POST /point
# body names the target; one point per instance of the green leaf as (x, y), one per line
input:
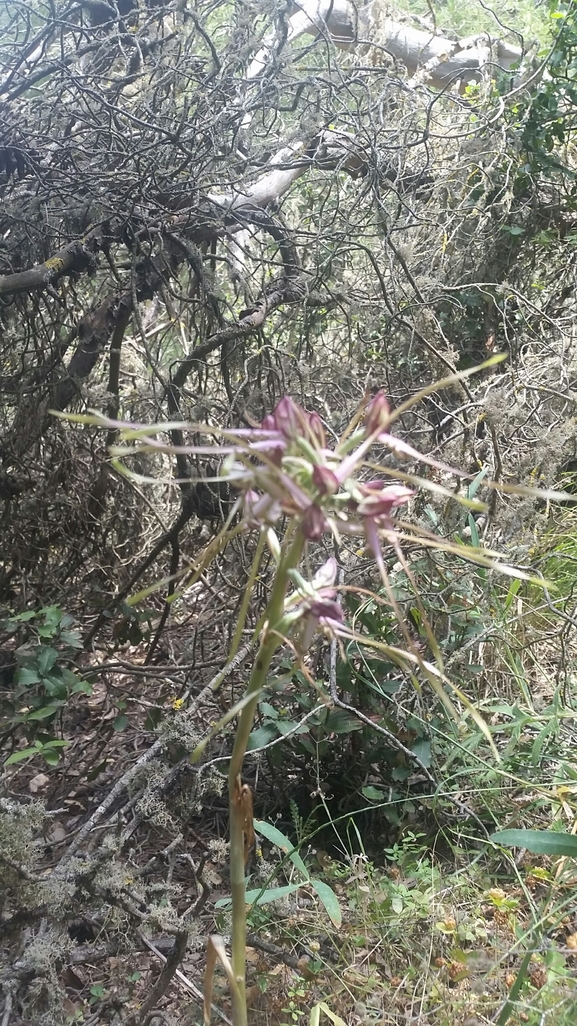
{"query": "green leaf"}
(52, 617)
(68, 676)
(422, 749)
(262, 736)
(26, 677)
(328, 898)
(340, 721)
(83, 686)
(47, 657)
(291, 727)
(475, 540)
(323, 1007)
(476, 483)
(268, 710)
(540, 842)
(45, 712)
(55, 686)
(374, 794)
(277, 838)
(51, 757)
(24, 753)
(120, 723)
(260, 897)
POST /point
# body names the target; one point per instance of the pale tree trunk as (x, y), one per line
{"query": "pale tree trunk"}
(432, 58)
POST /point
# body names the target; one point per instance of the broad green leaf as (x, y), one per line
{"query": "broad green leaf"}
(268, 710)
(45, 712)
(262, 736)
(55, 686)
(292, 727)
(71, 638)
(47, 657)
(374, 794)
(26, 677)
(120, 722)
(68, 676)
(541, 842)
(422, 749)
(341, 721)
(50, 756)
(278, 838)
(328, 898)
(259, 897)
(83, 686)
(24, 753)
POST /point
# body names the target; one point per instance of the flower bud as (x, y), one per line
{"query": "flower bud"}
(289, 418)
(324, 479)
(377, 414)
(314, 522)
(316, 430)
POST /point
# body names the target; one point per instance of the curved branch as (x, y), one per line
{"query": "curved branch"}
(76, 257)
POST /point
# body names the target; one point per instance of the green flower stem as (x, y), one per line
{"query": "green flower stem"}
(271, 640)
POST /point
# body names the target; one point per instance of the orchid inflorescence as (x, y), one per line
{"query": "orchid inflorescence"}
(285, 467)
(296, 474)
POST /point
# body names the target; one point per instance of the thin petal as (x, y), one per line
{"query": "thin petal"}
(316, 430)
(326, 574)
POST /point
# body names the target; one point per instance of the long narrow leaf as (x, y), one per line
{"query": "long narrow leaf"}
(336, 1019)
(277, 838)
(541, 842)
(328, 898)
(259, 897)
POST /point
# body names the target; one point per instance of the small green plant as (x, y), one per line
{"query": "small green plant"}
(97, 993)
(48, 750)
(293, 1011)
(47, 643)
